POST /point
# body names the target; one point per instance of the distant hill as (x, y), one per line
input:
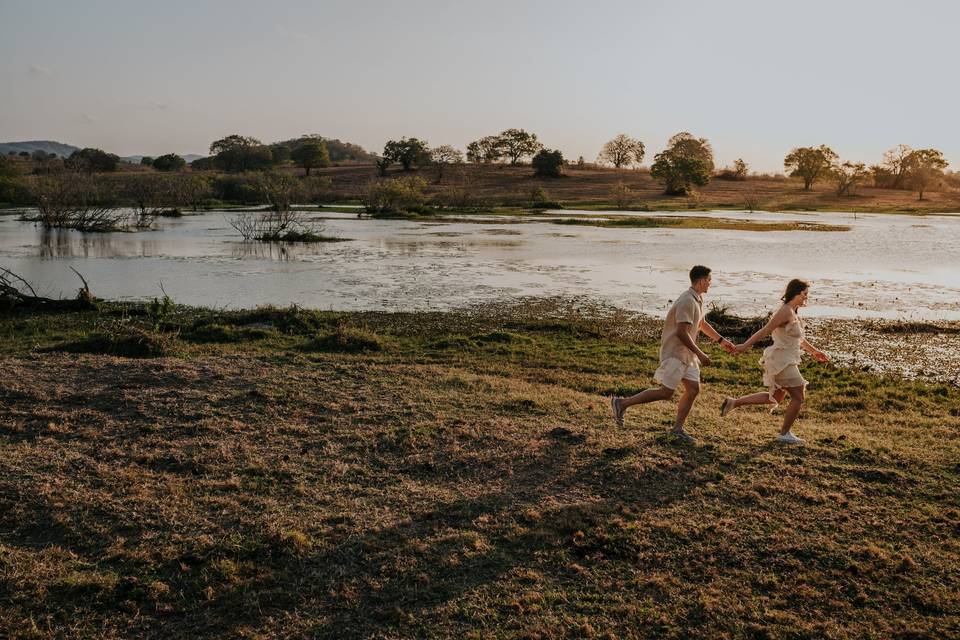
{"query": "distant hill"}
(340, 152)
(30, 146)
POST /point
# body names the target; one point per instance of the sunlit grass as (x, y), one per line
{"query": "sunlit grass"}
(291, 473)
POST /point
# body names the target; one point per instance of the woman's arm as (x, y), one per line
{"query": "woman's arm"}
(813, 351)
(779, 319)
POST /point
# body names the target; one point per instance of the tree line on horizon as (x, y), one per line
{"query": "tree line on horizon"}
(686, 163)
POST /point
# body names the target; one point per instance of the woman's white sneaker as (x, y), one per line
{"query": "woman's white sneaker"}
(789, 438)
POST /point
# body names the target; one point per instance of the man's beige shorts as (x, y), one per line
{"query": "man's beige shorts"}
(671, 371)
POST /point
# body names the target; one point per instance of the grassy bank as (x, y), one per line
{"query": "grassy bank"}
(696, 222)
(181, 473)
(592, 188)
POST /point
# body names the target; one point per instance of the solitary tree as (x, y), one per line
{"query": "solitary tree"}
(486, 149)
(685, 163)
(810, 163)
(924, 168)
(311, 154)
(740, 169)
(847, 175)
(407, 152)
(169, 162)
(147, 161)
(517, 144)
(444, 155)
(547, 163)
(622, 151)
(895, 161)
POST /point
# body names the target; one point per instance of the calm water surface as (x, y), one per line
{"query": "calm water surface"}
(885, 266)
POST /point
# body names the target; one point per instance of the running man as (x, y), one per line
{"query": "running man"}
(680, 357)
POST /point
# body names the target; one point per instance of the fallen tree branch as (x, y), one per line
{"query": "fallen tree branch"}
(5, 278)
(16, 292)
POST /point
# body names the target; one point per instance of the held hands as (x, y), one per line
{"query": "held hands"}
(727, 346)
(741, 348)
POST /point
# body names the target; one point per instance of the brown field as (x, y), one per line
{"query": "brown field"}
(508, 185)
(285, 473)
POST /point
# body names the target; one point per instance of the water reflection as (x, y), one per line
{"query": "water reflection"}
(267, 250)
(66, 243)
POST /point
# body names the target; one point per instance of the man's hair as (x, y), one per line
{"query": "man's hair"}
(698, 272)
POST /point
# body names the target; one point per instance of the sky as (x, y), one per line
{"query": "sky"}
(756, 78)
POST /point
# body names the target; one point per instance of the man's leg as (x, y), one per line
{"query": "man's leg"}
(649, 395)
(691, 389)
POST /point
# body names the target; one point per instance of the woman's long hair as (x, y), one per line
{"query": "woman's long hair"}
(794, 288)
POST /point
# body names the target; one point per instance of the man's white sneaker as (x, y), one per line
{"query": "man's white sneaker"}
(789, 438)
(726, 407)
(617, 411)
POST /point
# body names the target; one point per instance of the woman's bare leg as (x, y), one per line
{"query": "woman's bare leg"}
(761, 397)
(793, 409)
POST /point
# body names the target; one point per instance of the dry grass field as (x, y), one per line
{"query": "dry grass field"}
(281, 473)
(506, 185)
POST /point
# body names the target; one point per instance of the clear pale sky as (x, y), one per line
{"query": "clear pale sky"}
(754, 77)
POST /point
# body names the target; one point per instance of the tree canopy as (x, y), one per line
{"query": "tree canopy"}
(810, 163)
(847, 175)
(443, 155)
(924, 168)
(407, 152)
(311, 154)
(236, 153)
(486, 149)
(517, 144)
(686, 162)
(169, 162)
(92, 160)
(622, 151)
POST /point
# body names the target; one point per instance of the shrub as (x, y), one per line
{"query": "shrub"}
(236, 188)
(226, 333)
(736, 328)
(345, 339)
(393, 196)
(548, 164)
(169, 162)
(123, 341)
(77, 201)
(622, 195)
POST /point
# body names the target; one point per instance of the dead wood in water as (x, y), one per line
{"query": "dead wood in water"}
(17, 293)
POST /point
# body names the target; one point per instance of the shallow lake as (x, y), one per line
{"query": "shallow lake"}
(887, 266)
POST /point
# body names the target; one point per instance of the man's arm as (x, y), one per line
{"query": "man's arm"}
(715, 336)
(683, 335)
